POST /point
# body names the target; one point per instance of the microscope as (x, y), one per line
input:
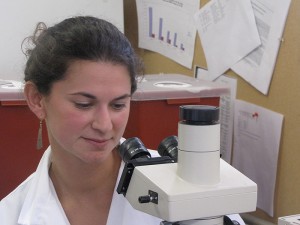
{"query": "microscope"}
(189, 184)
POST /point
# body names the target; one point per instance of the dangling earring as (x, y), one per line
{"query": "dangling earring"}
(39, 143)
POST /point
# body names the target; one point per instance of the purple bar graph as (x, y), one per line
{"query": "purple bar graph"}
(168, 37)
(160, 28)
(151, 34)
(175, 40)
(181, 47)
(162, 31)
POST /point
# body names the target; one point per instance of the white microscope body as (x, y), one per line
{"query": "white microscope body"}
(200, 188)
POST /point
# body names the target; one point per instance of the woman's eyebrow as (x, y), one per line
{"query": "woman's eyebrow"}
(87, 95)
(123, 97)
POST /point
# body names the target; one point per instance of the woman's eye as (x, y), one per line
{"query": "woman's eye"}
(83, 105)
(118, 106)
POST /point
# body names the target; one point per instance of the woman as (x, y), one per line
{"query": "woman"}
(79, 78)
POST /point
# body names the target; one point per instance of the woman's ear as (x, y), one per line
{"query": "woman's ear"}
(34, 99)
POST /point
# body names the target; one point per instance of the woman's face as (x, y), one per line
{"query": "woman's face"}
(87, 112)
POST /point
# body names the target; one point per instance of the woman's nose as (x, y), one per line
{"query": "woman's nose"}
(102, 120)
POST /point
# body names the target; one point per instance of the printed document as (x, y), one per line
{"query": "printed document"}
(257, 68)
(257, 133)
(228, 33)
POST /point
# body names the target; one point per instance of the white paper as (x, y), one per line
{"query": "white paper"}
(226, 111)
(257, 68)
(227, 116)
(167, 27)
(257, 133)
(228, 33)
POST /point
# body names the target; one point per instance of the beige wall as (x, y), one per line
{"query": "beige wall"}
(283, 97)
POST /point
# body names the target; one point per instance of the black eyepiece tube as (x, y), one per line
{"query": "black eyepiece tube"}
(133, 148)
(169, 147)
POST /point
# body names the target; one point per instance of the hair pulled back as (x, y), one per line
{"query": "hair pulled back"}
(77, 38)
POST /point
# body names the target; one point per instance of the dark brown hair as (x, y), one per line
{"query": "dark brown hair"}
(77, 38)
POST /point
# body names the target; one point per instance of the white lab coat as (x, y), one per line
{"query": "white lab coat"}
(34, 202)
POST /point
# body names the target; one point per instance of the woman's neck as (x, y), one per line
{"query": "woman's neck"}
(85, 191)
(73, 175)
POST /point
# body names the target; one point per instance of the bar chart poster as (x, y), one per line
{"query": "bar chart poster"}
(168, 27)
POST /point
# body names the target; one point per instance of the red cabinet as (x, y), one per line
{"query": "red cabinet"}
(18, 135)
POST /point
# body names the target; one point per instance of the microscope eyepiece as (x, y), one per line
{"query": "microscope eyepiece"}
(169, 147)
(133, 148)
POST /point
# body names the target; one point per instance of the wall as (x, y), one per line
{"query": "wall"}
(283, 97)
(18, 19)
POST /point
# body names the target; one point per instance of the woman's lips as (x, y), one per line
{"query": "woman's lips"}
(97, 142)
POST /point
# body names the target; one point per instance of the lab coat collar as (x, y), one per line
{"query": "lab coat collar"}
(39, 203)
